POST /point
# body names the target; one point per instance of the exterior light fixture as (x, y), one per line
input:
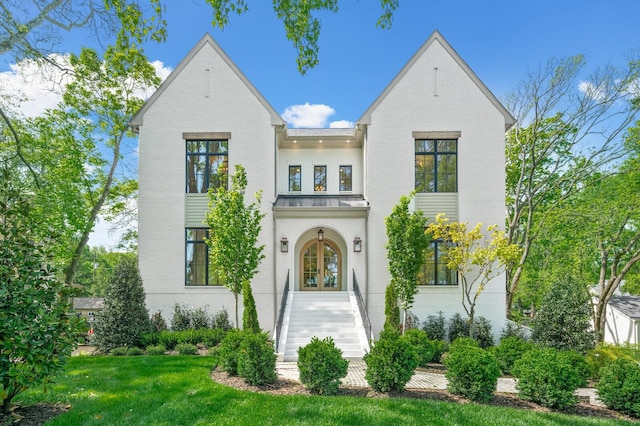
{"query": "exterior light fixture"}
(284, 245)
(357, 244)
(320, 234)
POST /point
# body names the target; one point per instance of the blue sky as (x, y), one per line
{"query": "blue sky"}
(499, 40)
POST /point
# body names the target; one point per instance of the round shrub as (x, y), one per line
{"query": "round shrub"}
(509, 351)
(550, 377)
(321, 366)
(604, 354)
(257, 359)
(391, 363)
(135, 351)
(186, 349)
(463, 341)
(619, 386)
(229, 349)
(472, 372)
(156, 350)
(439, 348)
(119, 351)
(168, 339)
(425, 348)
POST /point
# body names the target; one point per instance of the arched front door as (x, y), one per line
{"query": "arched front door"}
(320, 266)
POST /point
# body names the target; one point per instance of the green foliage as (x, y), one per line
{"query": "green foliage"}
(156, 350)
(458, 327)
(391, 362)
(563, 321)
(482, 332)
(406, 246)
(321, 366)
(604, 354)
(439, 347)
(435, 327)
(257, 359)
(391, 309)
(549, 377)
(425, 348)
(472, 372)
(508, 351)
(169, 339)
(125, 318)
(250, 314)
(221, 320)
(134, 351)
(463, 341)
(230, 350)
(512, 329)
(233, 238)
(619, 386)
(158, 323)
(181, 319)
(119, 351)
(38, 331)
(206, 337)
(186, 349)
(200, 318)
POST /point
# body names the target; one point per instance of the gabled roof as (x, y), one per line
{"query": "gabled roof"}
(628, 305)
(136, 121)
(436, 36)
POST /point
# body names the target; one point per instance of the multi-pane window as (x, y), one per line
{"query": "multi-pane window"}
(295, 178)
(198, 268)
(207, 165)
(345, 178)
(436, 165)
(434, 270)
(319, 178)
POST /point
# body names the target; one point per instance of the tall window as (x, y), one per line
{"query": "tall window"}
(436, 165)
(207, 165)
(345, 178)
(319, 178)
(434, 270)
(198, 268)
(295, 178)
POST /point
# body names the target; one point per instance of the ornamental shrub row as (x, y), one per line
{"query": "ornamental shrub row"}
(209, 337)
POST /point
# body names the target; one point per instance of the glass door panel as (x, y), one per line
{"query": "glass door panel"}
(330, 268)
(320, 266)
(310, 270)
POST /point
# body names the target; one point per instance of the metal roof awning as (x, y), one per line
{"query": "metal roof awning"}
(321, 206)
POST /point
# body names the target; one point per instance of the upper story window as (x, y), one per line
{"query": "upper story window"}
(198, 268)
(207, 165)
(320, 178)
(434, 270)
(346, 178)
(436, 165)
(295, 178)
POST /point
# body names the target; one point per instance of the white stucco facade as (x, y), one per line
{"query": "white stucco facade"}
(435, 96)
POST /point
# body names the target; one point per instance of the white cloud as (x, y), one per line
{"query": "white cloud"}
(341, 124)
(592, 91)
(308, 115)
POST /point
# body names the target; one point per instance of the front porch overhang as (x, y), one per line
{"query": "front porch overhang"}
(323, 206)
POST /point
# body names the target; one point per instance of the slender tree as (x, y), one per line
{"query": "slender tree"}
(233, 237)
(406, 246)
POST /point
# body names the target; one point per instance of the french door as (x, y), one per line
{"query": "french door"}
(320, 266)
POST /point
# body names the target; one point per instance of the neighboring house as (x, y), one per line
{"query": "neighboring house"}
(88, 307)
(436, 128)
(623, 320)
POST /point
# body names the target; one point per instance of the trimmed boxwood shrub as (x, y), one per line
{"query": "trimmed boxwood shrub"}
(321, 366)
(391, 362)
(509, 351)
(229, 350)
(186, 349)
(472, 372)
(619, 386)
(120, 351)
(425, 348)
(549, 377)
(256, 359)
(156, 350)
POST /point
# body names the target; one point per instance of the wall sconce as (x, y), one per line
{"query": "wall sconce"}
(284, 245)
(357, 244)
(320, 234)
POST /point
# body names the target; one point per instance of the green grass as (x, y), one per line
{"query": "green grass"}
(177, 390)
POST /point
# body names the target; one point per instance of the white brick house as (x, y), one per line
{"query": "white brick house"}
(435, 128)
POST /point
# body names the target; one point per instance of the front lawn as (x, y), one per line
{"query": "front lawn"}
(178, 390)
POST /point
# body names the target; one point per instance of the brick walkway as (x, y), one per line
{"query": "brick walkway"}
(420, 380)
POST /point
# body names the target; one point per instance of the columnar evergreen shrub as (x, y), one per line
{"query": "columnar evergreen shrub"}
(512, 329)
(200, 318)
(186, 349)
(391, 362)
(508, 351)
(125, 318)
(619, 386)
(221, 320)
(158, 323)
(482, 332)
(181, 319)
(435, 327)
(391, 308)
(472, 372)
(458, 327)
(229, 351)
(321, 366)
(549, 377)
(425, 348)
(257, 359)
(250, 314)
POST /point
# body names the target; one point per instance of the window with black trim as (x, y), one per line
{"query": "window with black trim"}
(207, 165)
(346, 178)
(199, 271)
(436, 165)
(434, 270)
(320, 178)
(295, 178)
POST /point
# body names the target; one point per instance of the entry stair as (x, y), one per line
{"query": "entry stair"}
(322, 314)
